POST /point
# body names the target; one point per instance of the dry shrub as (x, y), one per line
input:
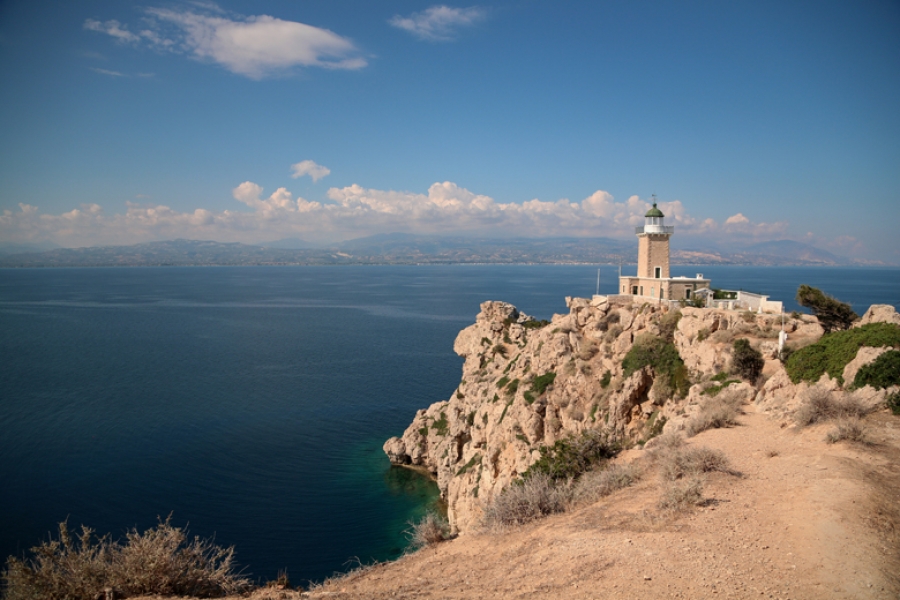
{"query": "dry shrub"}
(525, 501)
(587, 350)
(160, 560)
(594, 485)
(681, 494)
(723, 336)
(847, 428)
(824, 405)
(688, 462)
(431, 529)
(612, 334)
(719, 411)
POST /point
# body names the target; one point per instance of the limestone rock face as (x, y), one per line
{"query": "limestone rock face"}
(864, 356)
(879, 313)
(525, 385)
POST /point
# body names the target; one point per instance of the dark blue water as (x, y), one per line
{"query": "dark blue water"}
(252, 402)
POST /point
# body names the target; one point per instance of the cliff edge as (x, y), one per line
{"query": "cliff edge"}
(526, 384)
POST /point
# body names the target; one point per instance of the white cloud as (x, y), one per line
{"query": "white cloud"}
(107, 72)
(354, 211)
(256, 46)
(736, 219)
(113, 28)
(309, 167)
(438, 23)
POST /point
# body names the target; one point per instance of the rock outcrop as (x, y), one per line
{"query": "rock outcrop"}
(527, 384)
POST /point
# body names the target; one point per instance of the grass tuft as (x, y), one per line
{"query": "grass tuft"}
(850, 429)
(161, 560)
(523, 502)
(431, 529)
(594, 485)
(716, 412)
(681, 494)
(824, 405)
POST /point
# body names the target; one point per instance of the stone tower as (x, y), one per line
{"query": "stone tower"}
(653, 246)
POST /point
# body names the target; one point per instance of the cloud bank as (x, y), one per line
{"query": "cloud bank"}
(255, 46)
(439, 23)
(355, 211)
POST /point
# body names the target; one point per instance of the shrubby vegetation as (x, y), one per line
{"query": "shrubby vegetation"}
(569, 457)
(662, 356)
(714, 413)
(881, 373)
(431, 529)
(832, 353)
(746, 361)
(823, 405)
(832, 314)
(161, 560)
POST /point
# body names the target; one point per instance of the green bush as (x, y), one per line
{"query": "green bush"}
(441, 426)
(161, 560)
(501, 383)
(572, 456)
(662, 356)
(832, 353)
(668, 323)
(535, 324)
(881, 373)
(604, 381)
(893, 402)
(540, 383)
(746, 361)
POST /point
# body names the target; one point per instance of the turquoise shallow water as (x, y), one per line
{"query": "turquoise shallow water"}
(252, 403)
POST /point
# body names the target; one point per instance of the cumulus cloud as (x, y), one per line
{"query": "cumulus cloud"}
(354, 211)
(438, 23)
(255, 46)
(309, 167)
(736, 219)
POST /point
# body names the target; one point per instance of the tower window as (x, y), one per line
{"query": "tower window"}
(658, 272)
(634, 290)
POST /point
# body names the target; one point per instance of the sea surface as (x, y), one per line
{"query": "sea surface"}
(251, 403)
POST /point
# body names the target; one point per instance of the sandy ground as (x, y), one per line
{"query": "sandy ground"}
(804, 519)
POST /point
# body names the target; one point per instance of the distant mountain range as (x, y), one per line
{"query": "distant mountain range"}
(402, 248)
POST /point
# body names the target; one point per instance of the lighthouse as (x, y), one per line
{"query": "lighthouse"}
(653, 280)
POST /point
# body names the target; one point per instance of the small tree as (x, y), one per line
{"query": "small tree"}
(832, 313)
(746, 361)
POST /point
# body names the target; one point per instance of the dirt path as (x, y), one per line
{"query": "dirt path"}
(805, 520)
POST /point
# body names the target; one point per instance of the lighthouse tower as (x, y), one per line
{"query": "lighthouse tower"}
(653, 245)
(653, 280)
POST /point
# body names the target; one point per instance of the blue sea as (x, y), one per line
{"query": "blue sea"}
(251, 403)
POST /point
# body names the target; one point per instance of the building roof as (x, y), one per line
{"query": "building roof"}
(654, 212)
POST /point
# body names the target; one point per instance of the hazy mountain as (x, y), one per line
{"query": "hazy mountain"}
(796, 251)
(404, 248)
(21, 248)
(289, 244)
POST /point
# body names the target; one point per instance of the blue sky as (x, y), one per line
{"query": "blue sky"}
(126, 122)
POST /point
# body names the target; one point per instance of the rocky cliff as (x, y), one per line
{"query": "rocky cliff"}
(526, 384)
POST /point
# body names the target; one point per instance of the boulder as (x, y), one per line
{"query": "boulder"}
(879, 313)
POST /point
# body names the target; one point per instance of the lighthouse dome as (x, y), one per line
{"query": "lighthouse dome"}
(654, 212)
